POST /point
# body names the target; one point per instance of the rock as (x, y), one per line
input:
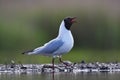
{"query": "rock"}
(71, 67)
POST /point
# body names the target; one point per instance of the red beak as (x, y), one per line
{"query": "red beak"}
(73, 20)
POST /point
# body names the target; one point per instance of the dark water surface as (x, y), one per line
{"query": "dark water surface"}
(61, 76)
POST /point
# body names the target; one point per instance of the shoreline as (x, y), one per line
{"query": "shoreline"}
(72, 67)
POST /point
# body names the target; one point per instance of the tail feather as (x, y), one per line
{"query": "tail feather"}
(27, 52)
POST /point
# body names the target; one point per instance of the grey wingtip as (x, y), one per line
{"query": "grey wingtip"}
(23, 53)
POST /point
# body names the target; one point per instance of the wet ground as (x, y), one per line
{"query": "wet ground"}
(70, 67)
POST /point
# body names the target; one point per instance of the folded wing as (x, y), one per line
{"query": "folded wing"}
(48, 48)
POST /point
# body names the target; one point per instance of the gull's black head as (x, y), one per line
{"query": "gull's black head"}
(69, 21)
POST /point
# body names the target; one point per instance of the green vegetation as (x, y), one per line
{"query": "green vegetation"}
(74, 56)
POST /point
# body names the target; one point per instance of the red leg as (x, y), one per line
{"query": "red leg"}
(53, 63)
(60, 60)
(63, 61)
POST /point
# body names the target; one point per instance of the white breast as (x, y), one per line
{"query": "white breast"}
(68, 43)
(66, 36)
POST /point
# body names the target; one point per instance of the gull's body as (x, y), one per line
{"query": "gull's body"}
(62, 44)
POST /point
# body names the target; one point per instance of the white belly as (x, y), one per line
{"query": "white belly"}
(66, 47)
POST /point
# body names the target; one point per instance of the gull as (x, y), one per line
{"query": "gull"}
(60, 45)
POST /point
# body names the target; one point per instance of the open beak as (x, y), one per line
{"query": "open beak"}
(73, 20)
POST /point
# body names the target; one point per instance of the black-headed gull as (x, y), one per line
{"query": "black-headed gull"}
(62, 44)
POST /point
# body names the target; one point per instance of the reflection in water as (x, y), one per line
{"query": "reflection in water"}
(61, 76)
(53, 77)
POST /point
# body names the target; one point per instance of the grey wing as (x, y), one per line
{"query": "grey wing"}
(49, 47)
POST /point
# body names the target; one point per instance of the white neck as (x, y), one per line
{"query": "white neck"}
(63, 31)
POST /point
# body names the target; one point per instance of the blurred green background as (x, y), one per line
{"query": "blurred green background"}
(27, 24)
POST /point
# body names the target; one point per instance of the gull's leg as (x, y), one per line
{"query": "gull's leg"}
(60, 59)
(66, 63)
(53, 59)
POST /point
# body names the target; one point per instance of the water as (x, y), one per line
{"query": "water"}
(62, 76)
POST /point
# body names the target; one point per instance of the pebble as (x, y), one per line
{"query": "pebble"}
(74, 67)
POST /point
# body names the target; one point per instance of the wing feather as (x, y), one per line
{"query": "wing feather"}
(49, 47)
